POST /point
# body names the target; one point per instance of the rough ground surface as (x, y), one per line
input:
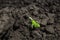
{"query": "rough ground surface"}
(15, 25)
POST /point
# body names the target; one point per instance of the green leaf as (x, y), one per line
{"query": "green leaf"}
(34, 23)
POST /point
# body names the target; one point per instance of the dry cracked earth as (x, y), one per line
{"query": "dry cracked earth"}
(15, 24)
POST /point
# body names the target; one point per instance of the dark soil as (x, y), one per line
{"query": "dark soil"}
(15, 24)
